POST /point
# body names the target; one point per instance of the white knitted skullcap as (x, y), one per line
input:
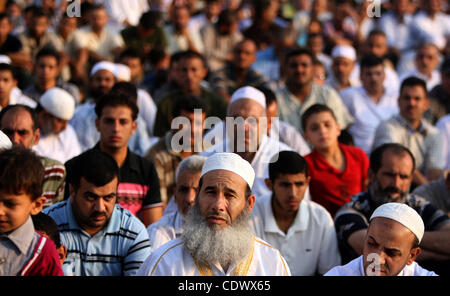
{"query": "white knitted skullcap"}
(248, 92)
(5, 142)
(230, 162)
(103, 65)
(403, 214)
(344, 51)
(58, 103)
(122, 72)
(4, 59)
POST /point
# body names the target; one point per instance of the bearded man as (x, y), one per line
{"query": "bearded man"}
(390, 175)
(217, 238)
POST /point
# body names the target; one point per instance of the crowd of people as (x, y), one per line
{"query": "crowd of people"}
(224, 137)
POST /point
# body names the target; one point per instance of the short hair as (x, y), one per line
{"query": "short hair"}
(227, 17)
(8, 67)
(268, 93)
(314, 109)
(192, 164)
(130, 53)
(3, 15)
(192, 54)
(46, 52)
(45, 223)
(150, 19)
(95, 166)
(187, 103)
(413, 81)
(21, 172)
(376, 155)
(375, 32)
(287, 162)
(38, 12)
(370, 61)
(15, 108)
(296, 51)
(122, 94)
(158, 54)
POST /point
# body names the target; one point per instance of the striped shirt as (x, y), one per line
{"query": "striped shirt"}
(118, 249)
(54, 177)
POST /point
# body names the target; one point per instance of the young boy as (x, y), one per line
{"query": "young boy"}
(337, 171)
(23, 251)
(9, 93)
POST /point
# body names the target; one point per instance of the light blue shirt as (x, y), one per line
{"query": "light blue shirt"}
(118, 249)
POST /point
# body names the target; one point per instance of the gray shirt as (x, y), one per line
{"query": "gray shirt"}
(437, 193)
(16, 248)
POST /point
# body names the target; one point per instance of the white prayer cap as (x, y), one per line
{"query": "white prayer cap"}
(5, 142)
(344, 51)
(4, 59)
(403, 214)
(230, 162)
(103, 65)
(122, 72)
(58, 103)
(248, 92)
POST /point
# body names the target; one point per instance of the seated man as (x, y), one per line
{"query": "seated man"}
(437, 192)
(102, 238)
(302, 230)
(391, 245)
(390, 174)
(170, 226)
(217, 239)
(58, 138)
(409, 128)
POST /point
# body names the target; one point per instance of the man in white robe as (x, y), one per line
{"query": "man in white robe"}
(217, 238)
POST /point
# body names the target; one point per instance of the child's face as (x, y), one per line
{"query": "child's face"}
(15, 210)
(322, 130)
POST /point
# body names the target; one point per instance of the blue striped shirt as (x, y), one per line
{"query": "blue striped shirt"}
(118, 249)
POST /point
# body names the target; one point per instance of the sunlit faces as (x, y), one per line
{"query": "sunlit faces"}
(186, 189)
(427, 59)
(102, 82)
(413, 102)
(322, 130)
(244, 54)
(46, 68)
(18, 126)
(389, 247)
(222, 198)
(299, 69)
(93, 205)
(288, 191)
(7, 83)
(116, 125)
(372, 78)
(191, 72)
(16, 208)
(342, 68)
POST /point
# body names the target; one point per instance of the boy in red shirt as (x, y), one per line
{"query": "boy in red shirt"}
(23, 251)
(338, 171)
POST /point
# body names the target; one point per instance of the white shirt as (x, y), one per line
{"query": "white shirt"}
(266, 150)
(391, 81)
(61, 147)
(103, 45)
(397, 33)
(356, 268)
(367, 114)
(310, 245)
(432, 81)
(17, 97)
(444, 127)
(424, 29)
(173, 259)
(124, 10)
(180, 42)
(167, 228)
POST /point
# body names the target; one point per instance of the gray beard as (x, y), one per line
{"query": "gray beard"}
(380, 196)
(209, 245)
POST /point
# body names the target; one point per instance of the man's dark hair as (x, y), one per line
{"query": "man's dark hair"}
(48, 52)
(187, 103)
(370, 61)
(268, 93)
(288, 162)
(376, 32)
(156, 55)
(413, 81)
(14, 108)
(192, 54)
(259, 7)
(122, 94)
(21, 172)
(3, 16)
(296, 51)
(130, 53)
(314, 109)
(8, 67)
(45, 223)
(150, 19)
(227, 17)
(377, 155)
(95, 166)
(38, 12)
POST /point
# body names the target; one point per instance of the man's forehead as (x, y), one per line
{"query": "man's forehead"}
(187, 177)
(222, 178)
(17, 117)
(391, 158)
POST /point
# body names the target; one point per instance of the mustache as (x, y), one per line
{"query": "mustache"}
(391, 189)
(98, 214)
(218, 214)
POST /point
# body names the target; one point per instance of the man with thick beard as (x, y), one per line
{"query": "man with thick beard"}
(390, 174)
(217, 239)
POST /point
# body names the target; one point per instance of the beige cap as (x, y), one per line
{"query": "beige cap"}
(230, 162)
(249, 92)
(104, 65)
(403, 214)
(58, 103)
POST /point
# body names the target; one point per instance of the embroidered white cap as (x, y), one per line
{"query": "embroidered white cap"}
(249, 92)
(122, 72)
(344, 51)
(58, 103)
(403, 214)
(5, 142)
(103, 65)
(230, 162)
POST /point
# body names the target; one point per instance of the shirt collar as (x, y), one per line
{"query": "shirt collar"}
(23, 236)
(421, 130)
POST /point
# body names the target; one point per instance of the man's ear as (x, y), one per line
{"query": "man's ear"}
(37, 136)
(62, 253)
(414, 253)
(251, 203)
(268, 183)
(38, 204)
(71, 190)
